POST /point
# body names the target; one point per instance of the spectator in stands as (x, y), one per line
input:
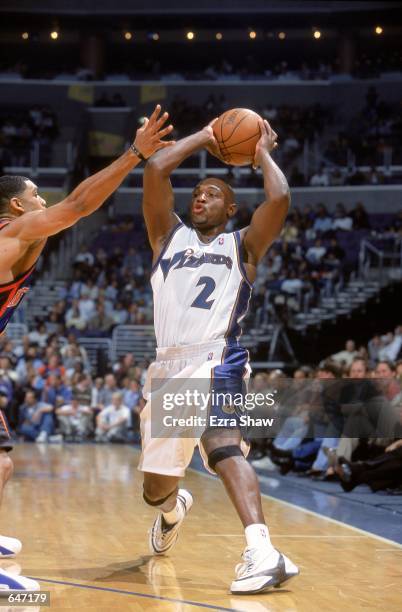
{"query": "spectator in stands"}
(82, 389)
(374, 346)
(39, 336)
(89, 290)
(391, 345)
(346, 356)
(335, 250)
(87, 308)
(75, 420)
(36, 420)
(317, 421)
(7, 368)
(6, 385)
(105, 393)
(55, 392)
(291, 144)
(314, 254)
(342, 221)
(112, 422)
(320, 178)
(96, 394)
(75, 321)
(292, 283)
(360, 217)
(382, 472)
(386, 373)
(125, 368)
(100, 324)
(52, 366)
(398, 371)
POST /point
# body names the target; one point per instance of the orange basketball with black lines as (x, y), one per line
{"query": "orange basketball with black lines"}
(237, 132)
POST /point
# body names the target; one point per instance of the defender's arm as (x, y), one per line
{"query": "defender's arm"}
(89, 195)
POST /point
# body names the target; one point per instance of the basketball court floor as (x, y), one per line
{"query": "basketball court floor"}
(78, 510)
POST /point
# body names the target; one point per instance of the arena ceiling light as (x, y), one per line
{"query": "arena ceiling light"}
(282, 35)
(252, 34)
(378, 30)
(190, 35)
(317, 34)
(128, 35)
(54, 35)
(25, 35)
(218, 36)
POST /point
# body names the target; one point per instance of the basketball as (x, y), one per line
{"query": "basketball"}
(237, 133)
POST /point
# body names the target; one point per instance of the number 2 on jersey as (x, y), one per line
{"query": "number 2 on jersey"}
(201, 299)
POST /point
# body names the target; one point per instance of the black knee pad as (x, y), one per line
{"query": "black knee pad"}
(224, 452)
(158, 502)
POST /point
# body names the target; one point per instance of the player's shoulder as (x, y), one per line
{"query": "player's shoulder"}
(12, 228)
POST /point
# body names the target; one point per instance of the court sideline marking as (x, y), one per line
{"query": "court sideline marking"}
(307, 511)
(145, 595)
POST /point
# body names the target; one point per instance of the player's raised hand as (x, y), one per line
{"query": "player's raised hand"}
(267, 141)
(148, 138)
(212, 146)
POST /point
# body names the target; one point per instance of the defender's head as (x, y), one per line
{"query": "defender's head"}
(18, 195)
(212, 204)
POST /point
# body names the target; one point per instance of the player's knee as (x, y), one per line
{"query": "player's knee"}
(154, 495)
(6, 467)
(223, 452)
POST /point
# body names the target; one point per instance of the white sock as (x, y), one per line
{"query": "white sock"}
(257, 536)
(173, 515)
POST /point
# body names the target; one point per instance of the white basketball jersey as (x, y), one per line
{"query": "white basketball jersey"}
(200, 290)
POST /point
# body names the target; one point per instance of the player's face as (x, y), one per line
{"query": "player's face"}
(30, 198)
(208, 206)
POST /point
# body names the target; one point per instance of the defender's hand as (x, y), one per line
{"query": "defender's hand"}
(266, 143)
(148, 138)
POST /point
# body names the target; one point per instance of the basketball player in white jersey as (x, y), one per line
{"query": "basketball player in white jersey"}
(202, 279)
(25, 224)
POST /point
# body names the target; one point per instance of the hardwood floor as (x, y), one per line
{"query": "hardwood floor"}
(79, 513)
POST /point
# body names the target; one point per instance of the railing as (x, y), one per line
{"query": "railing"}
(375, 263)
(37, 160)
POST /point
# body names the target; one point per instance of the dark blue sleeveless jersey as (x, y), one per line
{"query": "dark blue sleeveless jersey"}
(12, 293)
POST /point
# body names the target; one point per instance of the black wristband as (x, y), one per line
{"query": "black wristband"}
(137, 152)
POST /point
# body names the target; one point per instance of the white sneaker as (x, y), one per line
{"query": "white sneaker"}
(262, 569)
(56, 439)
(41, 438)
(264, 463)
(163, 536)
(11, 582)
(9, 547)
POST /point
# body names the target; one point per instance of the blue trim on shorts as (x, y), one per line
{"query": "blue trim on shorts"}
(228, 383)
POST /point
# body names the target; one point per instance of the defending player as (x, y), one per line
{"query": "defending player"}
(202, 280)
(25, 224)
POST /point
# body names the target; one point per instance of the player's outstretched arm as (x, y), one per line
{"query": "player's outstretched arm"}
(158, 199)
(89, 195)
(267, 221)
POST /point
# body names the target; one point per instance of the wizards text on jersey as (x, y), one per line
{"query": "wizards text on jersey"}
(187, 259)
